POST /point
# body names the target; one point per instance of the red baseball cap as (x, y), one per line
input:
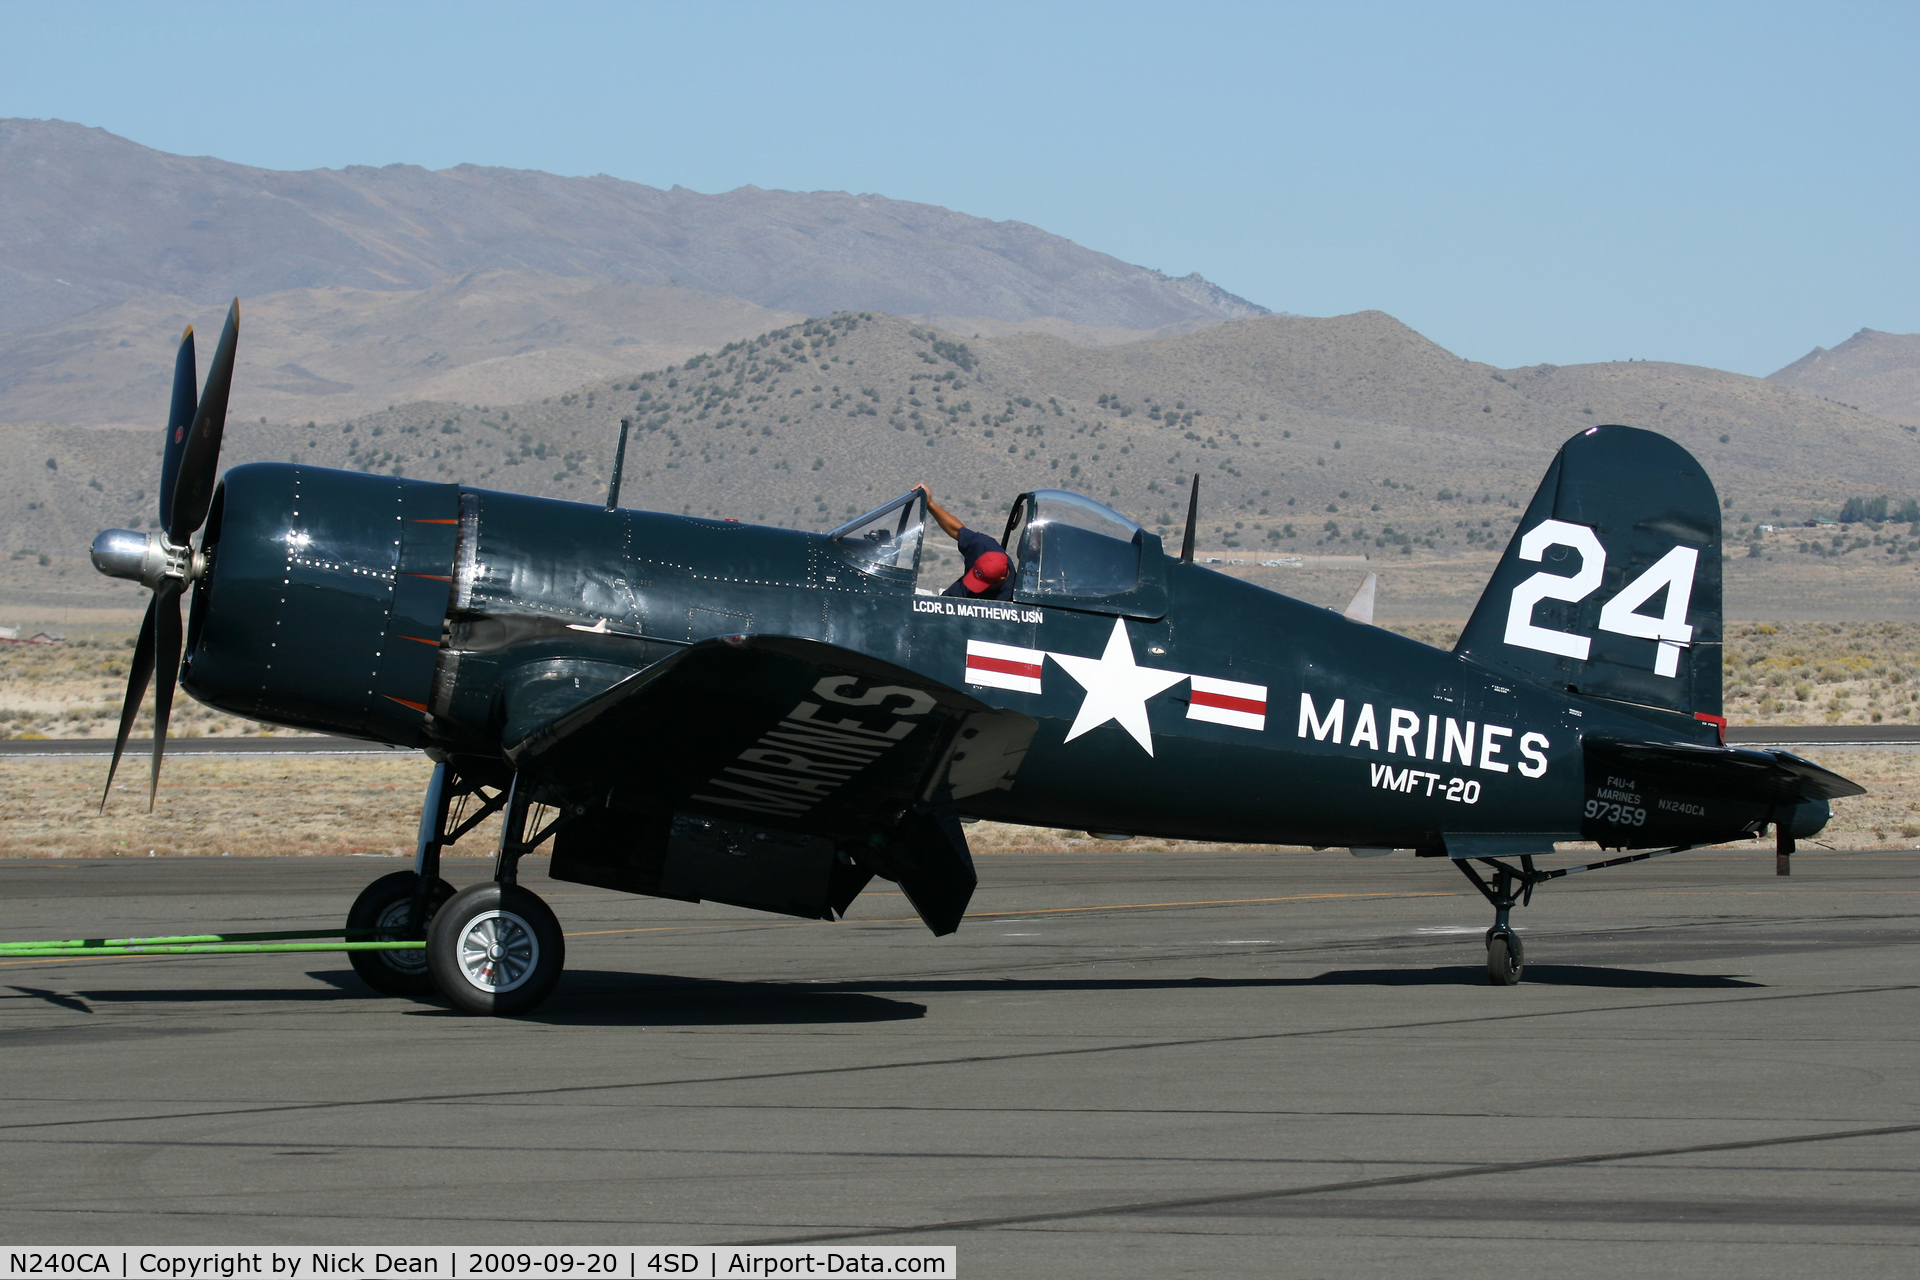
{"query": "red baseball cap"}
(988, 572)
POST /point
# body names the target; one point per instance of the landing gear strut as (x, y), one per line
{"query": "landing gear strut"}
(494, 948)
(1511, 886)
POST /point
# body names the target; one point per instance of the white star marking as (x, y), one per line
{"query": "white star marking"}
(1116, 689)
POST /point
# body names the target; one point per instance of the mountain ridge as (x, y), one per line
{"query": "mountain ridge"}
(1873, 371)
(97, 216)
(1346, 435)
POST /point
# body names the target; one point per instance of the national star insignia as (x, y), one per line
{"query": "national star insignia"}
(1117, 690)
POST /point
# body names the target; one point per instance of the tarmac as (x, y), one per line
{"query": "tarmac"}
(1123, 1065)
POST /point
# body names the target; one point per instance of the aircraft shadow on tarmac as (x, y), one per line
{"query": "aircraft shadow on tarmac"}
(217, 995)
(1545, 975)
(58, 999)
(605, 998)
(592, 997)
(1541, 975)
(584, 998)
(612, 999)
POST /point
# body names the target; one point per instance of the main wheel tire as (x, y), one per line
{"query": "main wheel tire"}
(383, 907)
(1505, 960)
(495, 950)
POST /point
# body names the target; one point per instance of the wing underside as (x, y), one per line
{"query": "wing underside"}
(773, 772)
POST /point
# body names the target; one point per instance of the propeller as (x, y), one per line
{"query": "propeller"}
(166, 561)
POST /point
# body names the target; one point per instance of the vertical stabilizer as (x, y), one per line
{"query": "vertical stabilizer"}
(1611, 585)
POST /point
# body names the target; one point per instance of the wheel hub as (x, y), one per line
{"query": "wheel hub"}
(391, 926)
(498, 952)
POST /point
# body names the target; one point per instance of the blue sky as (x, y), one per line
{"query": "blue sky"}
(1719, 184)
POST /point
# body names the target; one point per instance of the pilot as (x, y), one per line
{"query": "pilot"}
(988, 572)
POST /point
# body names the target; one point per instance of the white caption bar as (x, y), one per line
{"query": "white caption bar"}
(576, 1262)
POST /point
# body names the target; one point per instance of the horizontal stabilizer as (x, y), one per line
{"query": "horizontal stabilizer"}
(1733, 773)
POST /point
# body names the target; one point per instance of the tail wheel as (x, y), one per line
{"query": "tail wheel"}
(495, 950)
(1505, 959)
(385, 907)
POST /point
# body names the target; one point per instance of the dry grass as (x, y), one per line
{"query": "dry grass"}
(310, 805)
(296, 806)
(74, 690)
(1795, 673)
(210, 805)
(1888, 816)
(1823, 672)
(1441, 635)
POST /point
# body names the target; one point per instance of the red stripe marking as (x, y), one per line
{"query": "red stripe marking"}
(421, 707)
(1227, 702)
(436, 522)
(1718, 722)
(431, 577)
(417, 640)
(1006, 666)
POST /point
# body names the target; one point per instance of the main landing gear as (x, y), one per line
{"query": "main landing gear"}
(496, 949)
(395, 910)
(491, 949)
(1509, 886)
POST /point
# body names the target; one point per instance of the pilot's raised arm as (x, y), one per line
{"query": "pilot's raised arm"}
(988, 571)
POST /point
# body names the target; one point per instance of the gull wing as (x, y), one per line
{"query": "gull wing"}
(791, 740)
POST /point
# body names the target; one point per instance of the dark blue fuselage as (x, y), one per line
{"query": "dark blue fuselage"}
(403, 611)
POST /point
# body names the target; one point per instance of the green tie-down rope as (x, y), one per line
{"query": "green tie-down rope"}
(204, 944)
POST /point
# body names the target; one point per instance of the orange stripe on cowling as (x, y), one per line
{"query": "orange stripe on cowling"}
(417, 640)
(424, 521)
(421, 707)
(431, 577)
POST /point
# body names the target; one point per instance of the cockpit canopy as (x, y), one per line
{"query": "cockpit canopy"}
(1073, 551)
(886, 540)
(1068, 545)
(1066, 550)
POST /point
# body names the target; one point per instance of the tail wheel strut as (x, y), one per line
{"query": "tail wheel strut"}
(1512, 886)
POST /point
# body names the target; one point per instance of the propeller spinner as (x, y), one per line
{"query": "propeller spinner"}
(166, 561)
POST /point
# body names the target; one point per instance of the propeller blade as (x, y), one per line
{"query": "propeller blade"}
(186, 399)
(138, 674)
(200, 461)
(166, 661)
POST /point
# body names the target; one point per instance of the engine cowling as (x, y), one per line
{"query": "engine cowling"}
(323, 599)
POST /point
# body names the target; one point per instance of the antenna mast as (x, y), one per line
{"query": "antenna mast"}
(620, 462)
(1193, 515)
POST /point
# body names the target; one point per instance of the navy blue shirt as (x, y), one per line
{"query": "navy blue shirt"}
(972, 546)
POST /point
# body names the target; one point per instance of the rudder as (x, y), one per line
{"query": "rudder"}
(1611, 584)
